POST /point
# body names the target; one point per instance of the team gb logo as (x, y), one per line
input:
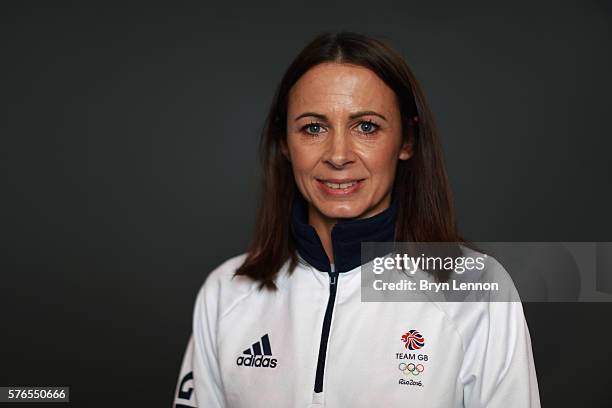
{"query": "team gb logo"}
(414, 340)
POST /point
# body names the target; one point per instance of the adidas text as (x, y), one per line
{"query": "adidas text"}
(256, 361)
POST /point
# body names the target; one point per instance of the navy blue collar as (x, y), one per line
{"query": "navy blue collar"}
(346, 235)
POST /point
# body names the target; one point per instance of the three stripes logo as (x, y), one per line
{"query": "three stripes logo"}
(414, 340)
(258, 355)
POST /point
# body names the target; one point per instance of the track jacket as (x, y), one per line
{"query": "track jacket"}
(313, 343)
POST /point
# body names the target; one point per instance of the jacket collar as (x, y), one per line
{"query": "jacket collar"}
(346, 235)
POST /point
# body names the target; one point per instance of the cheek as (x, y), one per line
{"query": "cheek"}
(303, 160)
(381, 162)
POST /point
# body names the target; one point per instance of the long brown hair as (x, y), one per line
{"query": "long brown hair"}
(425, 212)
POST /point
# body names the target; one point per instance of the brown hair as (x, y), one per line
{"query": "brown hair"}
(425, 212)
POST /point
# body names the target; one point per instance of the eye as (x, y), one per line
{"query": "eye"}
(368, 127)
(313, 128)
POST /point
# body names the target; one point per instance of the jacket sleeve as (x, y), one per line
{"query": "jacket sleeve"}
(498, 369)
(200, 380)
(183, 394)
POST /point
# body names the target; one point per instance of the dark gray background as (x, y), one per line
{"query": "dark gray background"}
(128, 167)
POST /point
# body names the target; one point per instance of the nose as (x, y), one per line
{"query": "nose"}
(339, 151)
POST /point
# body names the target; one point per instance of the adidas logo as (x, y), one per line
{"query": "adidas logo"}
(256, 355)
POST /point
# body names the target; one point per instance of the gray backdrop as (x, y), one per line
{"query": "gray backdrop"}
(128, 161)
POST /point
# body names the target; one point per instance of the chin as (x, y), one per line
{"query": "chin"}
(341, 210)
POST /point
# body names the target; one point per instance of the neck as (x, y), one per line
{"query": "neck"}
(339, 239)
(324, 225)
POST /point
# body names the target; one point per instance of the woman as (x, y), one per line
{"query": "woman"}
(350, 154)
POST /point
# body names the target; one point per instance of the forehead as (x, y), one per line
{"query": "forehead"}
(336, 86)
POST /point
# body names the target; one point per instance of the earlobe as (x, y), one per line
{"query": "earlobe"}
(285, 151)
(406, 151)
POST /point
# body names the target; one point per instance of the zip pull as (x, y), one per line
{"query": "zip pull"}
(333, 275)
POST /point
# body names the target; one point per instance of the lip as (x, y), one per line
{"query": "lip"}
(340, 191)
(340, 180)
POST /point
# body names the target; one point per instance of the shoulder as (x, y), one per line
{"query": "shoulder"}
(489, 312)
(493, 272)
(223, 274)
(222, 289)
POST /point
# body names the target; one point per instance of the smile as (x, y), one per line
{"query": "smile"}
(337, 186)
(344, 186)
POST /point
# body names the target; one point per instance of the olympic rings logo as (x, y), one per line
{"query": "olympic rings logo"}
(411, 368)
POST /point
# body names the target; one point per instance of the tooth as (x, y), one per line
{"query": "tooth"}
(340, 186)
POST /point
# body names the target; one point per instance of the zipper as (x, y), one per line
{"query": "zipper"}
(333, 286)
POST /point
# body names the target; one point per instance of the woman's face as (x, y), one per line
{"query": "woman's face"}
(344, 139)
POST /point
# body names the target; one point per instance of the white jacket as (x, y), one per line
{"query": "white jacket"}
(252, 348)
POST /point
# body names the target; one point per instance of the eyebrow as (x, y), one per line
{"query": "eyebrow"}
(351, 116)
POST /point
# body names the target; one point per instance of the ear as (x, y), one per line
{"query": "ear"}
(406, 150)
(285, 150)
